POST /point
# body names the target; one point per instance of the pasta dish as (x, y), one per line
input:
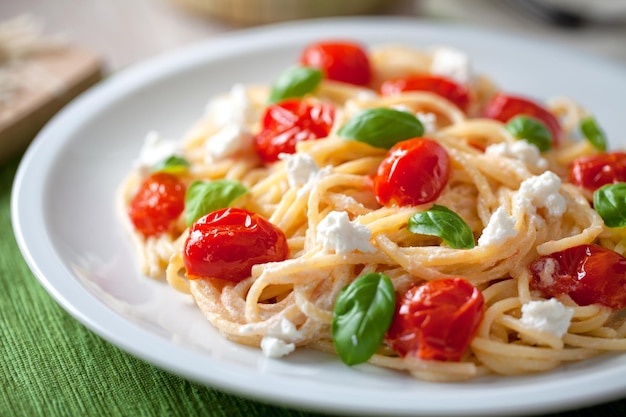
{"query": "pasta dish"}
(391, 206)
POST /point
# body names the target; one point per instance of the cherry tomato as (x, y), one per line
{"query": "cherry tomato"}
(414, 172)
(504, 107)
(589, 274)
(594, 171)
(157, 204)
(436, 320)
(291, 121)
(226, 244)
(444, 87)
(340, 61)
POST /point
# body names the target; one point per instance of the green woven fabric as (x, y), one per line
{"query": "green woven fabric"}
(50, 365)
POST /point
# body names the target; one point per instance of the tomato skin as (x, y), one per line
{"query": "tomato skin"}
(437, 320)
(414, 172)
(226, 244)
(442, 86)
(291, 121)
(347, 62)
(157, 204)
(594, 171)
(504, 107)
(589, 274)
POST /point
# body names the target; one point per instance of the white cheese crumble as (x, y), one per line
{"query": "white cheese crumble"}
(549, 316)
(522, 151)
(274, 347)
(231, 114)
(279, 337)
(451, 63)
(337, 233)
(541, 191)
(154, 150)
(428, 120)
(501, 227)
(301, 168)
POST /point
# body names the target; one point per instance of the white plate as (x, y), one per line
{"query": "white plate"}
(67, 229)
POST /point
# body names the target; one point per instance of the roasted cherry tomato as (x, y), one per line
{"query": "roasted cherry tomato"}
(594, 171)
(436, 320)
(157, 204)
(504, 107)
(414, 172)
(226, 244)
(286, 123)
(340, 61)
(589, 274)
(444, 87)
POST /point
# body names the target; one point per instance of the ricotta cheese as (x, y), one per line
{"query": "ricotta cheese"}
(501, 227)
(451, 63)
(549, 316)
(301, 168)
(522, 151)
(338, 234)
(154, 150)
(428, 120)
(541, 191)
(231, 114)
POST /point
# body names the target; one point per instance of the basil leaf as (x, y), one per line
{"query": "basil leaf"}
(173, 165)
(442, 222)
(295, 82)
(531, 130)
(593, 133)
(203, 197)
(381, 127)
(609, 201)
(363, 312)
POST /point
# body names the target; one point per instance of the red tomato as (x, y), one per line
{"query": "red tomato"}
(437, 320)
(589, 274)
(444, 87)
(226, 244)
(157, 204)
(504, 107)
(594, 171)
(340, 61)
(414, 172)
(289, 122)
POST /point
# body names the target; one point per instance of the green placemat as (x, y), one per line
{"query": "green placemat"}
(51, 365)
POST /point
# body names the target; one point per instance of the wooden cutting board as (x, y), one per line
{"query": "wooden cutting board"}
(53, 79)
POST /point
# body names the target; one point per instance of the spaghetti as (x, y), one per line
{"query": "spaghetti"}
(516, 201)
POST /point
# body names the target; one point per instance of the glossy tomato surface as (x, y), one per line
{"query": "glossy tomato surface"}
(157, 204)
(589, 274)
(286, 123)
(436, 320)
(504, 107)
(414, 172)
(226, 244)
(347, 62)
(443, 87)
(594, 171)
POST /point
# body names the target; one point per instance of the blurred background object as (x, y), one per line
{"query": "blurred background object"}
(39, 74)
(249, 12)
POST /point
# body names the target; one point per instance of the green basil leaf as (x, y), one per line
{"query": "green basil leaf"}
(381, 127)
(363, 312)
(442, 222)
(593, 133)
(531, 130)
(173, 165)
(203, 197)
(609, 201)
(295, 82)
